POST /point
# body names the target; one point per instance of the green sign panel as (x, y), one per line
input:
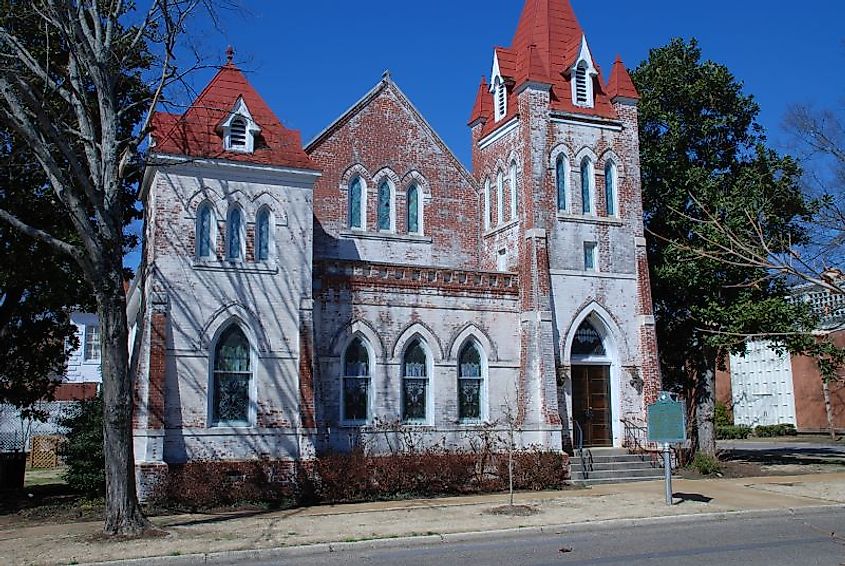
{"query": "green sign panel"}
(667, 421)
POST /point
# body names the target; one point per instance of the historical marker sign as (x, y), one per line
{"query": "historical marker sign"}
(667, 421)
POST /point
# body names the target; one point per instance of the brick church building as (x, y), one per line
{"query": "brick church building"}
(294, 300)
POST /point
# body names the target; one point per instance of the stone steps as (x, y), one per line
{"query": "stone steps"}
(614, 465)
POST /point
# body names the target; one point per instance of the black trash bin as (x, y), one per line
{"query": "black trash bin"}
(12, 470)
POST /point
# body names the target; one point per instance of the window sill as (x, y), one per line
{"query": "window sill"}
(385, 236)
(590, 219)
(500, 228)
(264, 267)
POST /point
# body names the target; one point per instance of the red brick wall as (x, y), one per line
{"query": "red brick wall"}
(809, 398)
(158, 353)
(75, 391)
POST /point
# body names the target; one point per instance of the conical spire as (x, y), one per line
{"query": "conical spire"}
(481, 108)
(551, 26)
(620, 84)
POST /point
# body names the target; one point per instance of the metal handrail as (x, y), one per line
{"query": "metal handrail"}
(580, 448)
(636, 442)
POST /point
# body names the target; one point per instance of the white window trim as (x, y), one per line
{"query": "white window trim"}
(271, 235)
(212, 227)
(591, 186)
(86, 357)
(370, 389)
(363, 185)
(594, 253)
(610, 167)
(500, 198)
(429, 391)
(483, 395)
(242, 233)
(240, 111)
(567, 183)
(252, 410)
(420, 207)
(513, 189)
(392, 187)
(486, 204)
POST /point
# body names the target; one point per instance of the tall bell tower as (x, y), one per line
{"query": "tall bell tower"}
(556, 153)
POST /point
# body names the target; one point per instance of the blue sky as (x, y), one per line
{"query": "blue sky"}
(312, 60)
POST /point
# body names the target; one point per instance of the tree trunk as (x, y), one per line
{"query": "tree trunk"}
(828, 409)
(706, 403)
(123, 512)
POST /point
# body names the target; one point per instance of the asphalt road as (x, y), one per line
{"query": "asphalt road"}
(803, 538)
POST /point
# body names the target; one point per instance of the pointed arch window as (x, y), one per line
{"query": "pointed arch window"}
(500, 198)
(470, 383)
(234, 234)
(263, 235)
(414, 210)
(415, 384)
(487, 204)
(610, 188)
(588, 342)
(356, 204)
(232, 379)
(205, 232)
(355, 405)
(512, 177)
(587, 186)
(385, 206)
(562, 182)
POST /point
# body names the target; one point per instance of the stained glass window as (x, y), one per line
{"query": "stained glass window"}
(500, 198)
(586, 186)
(562, 182)
(587, 341)
(232, 375)
(355, 216)
(384, 206)
(487, 204)
(413, 210)
(262, 234)
(470, 380)
(204, 247)
(356, 382)
(234, 234)
(513, 191)
(414, 384)
(610, 188)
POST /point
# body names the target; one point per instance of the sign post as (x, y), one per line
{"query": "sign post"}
(667, 425)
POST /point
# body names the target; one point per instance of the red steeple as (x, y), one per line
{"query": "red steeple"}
(196, 133)
(481, 108)
(545, 47)
(620, 84)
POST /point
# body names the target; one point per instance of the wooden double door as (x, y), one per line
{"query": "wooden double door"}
(591, 404)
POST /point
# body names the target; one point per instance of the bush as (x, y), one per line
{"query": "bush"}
(354, 477)
(722, 417)
(731, 432)
(705, 464)
(82, 451)
(769, 431)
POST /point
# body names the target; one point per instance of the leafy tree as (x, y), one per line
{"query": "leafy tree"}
(78, 84)
(705, 165)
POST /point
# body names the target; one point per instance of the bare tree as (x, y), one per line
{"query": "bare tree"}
(64, 69)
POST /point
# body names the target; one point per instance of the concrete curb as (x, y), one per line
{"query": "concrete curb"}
(267, 554)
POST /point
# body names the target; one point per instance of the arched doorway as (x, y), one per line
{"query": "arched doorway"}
(591, 397)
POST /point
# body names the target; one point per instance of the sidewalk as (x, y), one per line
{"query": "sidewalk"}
(205, 534)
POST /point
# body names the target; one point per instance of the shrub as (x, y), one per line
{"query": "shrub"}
(731, 432)
(722, 417)
(82, 451)
(705, 464)
(769, 431)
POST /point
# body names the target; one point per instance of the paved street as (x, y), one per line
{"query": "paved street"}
(781, 538)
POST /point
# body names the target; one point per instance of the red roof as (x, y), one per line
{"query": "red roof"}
(196, 134)
(620, 84)
(544, 48)
(481, 108)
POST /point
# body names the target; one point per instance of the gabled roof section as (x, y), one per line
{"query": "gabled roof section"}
(545, 47)
(620, 84)
(197, 132)
(387, 83)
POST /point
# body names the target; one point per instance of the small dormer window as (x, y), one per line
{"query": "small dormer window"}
(237, 133)
(581, 85)
(500, 94)
(239, 129)
(583, 72)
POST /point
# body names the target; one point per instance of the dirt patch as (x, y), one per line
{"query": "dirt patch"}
(515, 510)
